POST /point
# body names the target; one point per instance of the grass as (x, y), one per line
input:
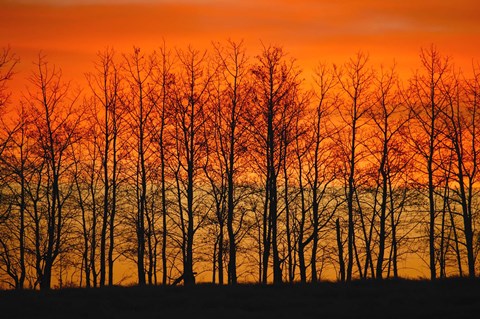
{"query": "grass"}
(452, 298)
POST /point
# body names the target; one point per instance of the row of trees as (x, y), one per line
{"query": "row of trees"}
(213, 163)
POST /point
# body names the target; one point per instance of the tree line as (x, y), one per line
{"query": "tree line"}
(183, 163)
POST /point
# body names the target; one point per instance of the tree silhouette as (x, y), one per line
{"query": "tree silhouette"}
(185, 163)
(355, 79)
(56, 121)
(276, 81)
(426, 104)
(190, 116)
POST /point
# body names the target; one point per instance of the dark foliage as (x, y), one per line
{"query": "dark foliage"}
(452, 298)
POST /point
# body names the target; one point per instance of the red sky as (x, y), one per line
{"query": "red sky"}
(70, 32)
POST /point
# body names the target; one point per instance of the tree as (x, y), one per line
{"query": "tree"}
(355, 79)
(87, 177)
(230, 131)
(8, 61)
(13, 166)
(321, 170)
(425, 102)
(139, 72)
(272, 118)
(460, 116)
(186, 161)
(473, 94)
(16, 167)
(191, 98)
(389, 119)
(105, 85)
(163, 101)
(55, 119)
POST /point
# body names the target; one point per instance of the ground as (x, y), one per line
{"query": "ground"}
(452, 298)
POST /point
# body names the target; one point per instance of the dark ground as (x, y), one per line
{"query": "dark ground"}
(453, 298)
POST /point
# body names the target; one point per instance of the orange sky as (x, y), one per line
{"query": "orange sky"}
(70, 32)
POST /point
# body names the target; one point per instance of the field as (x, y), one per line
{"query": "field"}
(453, 298)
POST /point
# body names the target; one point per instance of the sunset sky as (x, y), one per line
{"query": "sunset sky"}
(70, 32)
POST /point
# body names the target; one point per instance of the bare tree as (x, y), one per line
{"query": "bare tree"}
(8, 61)
(13, 166)
(230, 131)
(87, 176)
(183, 162)
(321, 170)
(191, 98)
(214, 171)
(56, 122)
(389, 118)
(461, 115)
(163, 101)
(276, 82)
(139, 70)
(105, 87)
(16, 164)
(425, 103)
(355, 79)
